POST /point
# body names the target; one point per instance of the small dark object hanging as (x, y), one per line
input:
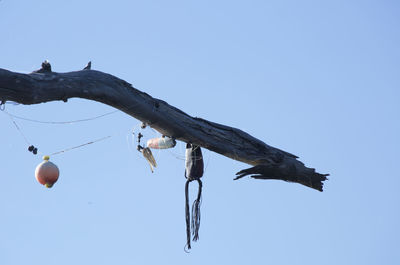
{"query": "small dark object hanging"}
(32, 149)
(146, 153)
(194, 170)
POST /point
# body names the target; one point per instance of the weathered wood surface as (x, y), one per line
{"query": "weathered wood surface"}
(45, 86)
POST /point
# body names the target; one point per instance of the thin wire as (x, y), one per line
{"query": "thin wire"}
(183, 157)
(16, 126)
(132, 140)
(60, 122)
(208, 161)
(71, 148)
(11, 116)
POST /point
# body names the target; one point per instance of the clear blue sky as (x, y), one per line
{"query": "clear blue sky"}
(319, 79)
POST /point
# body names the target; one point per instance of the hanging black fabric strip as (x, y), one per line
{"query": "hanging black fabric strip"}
(193, 171)
(196, 213)
(193, 224)
(187, 214)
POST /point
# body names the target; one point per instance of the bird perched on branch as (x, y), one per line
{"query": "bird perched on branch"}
(88, 66)
(46, 68)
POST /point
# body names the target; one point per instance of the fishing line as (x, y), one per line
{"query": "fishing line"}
(130, 138)
(2, 108)
(17, 127)
(135, 144)
(130, 142)
(78, 146)
(180, 157)
(31, 147)
(59, 122)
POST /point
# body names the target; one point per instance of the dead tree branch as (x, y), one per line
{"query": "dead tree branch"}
(44, 86)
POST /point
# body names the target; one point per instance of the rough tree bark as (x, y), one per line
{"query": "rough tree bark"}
(44, 85)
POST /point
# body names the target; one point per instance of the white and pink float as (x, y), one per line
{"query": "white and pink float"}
(47, 173)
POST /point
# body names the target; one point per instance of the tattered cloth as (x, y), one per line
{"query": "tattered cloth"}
(194, 170)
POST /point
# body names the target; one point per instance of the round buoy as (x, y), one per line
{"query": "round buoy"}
(47, 173)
